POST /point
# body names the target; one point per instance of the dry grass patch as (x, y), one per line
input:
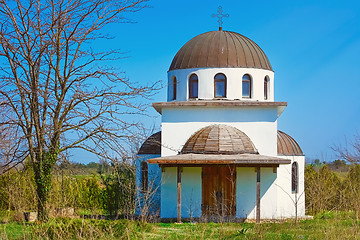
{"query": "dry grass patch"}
(327, 225)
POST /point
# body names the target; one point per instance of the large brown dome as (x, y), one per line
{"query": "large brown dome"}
(219, 139)
(220, 49)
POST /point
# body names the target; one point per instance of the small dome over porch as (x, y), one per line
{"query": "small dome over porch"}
(219, 139)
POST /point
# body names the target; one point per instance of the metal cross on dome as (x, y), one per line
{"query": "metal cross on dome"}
(220, 15)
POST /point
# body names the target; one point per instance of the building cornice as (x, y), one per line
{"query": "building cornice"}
(220, 103)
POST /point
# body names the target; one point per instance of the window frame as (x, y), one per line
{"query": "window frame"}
(220, 80)
(144, 176)
(191, 81)
(250, 86)
(174, 87)
(266, 87)
(294, 177)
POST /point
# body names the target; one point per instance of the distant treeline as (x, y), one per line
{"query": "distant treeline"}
(91, 168)
(336, 166)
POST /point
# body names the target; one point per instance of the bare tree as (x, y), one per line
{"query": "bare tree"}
(10, 150)
(351, 151)
(57, 91)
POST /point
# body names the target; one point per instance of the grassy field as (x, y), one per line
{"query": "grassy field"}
(329, 225)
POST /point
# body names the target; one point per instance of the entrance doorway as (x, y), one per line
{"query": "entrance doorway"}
(218, 191)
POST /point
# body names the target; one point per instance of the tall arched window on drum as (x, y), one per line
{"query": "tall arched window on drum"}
(246, 86)
(220, 85)
(193, 86)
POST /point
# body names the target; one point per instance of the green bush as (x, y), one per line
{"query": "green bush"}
(17, 191)
(113, 193)
(322, 189)
(119, 190)
(89, 194)
(350, 191)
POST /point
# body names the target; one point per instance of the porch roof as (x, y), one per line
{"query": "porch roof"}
(237, 159)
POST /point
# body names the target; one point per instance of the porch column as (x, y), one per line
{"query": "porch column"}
(257, 194)
(179, 170)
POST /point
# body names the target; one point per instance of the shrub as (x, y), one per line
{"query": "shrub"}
(350, 191)
(119, 190)
(89, 194)
(322, 189)
(17, 190)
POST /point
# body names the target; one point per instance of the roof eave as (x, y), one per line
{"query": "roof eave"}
(220, 103)
(234, 159)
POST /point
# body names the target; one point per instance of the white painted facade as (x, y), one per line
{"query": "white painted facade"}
(190, 192)
(234, 83)
(246, 193)
(149, 204)
(277, 200)
(259, 123)
(287, 200)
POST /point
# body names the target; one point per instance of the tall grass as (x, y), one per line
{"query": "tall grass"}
(325, 225)
(67, 228)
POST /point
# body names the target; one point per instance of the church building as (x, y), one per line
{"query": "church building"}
(219, 152)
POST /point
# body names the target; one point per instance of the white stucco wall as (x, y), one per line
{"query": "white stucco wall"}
(246, 193)
(168, 192)
(260, 125)
(190, 192)
(234, 82)
(287, 199)
(268, 193)
(154, 190)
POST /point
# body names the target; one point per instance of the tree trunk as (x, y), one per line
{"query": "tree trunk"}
(42, 169)
(43, 184)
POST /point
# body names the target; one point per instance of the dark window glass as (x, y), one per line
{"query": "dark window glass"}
(144, 176)
(193, 86)
(174, 82)
(246, 86)
(294, 178)
(266, 87)
(220, 85)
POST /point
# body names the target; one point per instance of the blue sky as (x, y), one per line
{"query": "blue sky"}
(313, 46)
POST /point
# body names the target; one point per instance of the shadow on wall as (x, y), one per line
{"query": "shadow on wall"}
(246, 192)
(147, 197)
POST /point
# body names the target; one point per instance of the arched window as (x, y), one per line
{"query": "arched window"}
(193, 86)
(294, 178)
(266, 87)
(144, 176)
(220, 85)
(246, 86)
(174, 82)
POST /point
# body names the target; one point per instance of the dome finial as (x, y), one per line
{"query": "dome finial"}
(220, 15)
